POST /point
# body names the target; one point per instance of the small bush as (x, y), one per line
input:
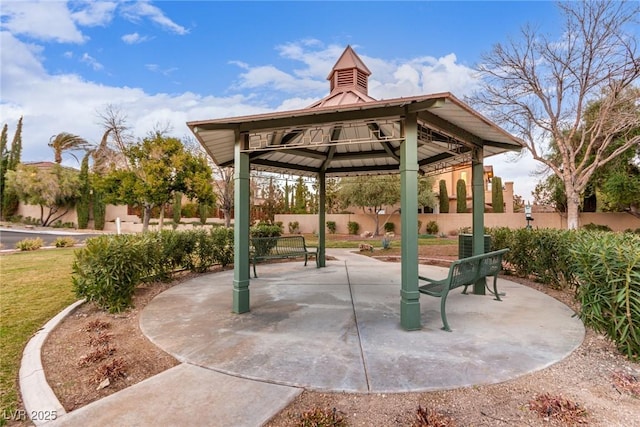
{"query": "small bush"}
(190, 210)
(389, 227)
(60, 224)
(426, 417)
(386, 242)
(596, 227)
(30, 244)
(432, 227)
(294, 227)
(322, 418)
(419, 226)
(331, 226)
(558, 408)
(65, 242)
(109, 268)
(353, 227)
(223, 249)
(112, 371)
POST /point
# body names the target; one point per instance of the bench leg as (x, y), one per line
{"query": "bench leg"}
(443, 313)
(254, 269)
(464, 291)
(495, 288)
(305, 259)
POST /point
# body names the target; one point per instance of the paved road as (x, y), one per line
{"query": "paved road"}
(9, 238)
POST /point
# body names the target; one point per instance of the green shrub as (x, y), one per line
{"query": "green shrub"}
(607, 266)
(30, 244)
(109, 268)
(596, 227)
(65, 242)
(223, 249)
(60, 224)
(331, 226)
(264, 230)
(176, 211)
(294, 227)
(203, 212)
(202, 256)
(189, 210)
(432, 227)
(353, 227)
(389, 227)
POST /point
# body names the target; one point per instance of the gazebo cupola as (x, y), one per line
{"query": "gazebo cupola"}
(349, 81)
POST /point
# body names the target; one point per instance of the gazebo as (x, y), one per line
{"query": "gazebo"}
(349, 133)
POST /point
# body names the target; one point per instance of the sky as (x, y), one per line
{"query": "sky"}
(163, 63)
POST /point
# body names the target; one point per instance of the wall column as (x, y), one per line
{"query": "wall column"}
(322, 185)
(410, 296)
(241, 226)
(477, 178)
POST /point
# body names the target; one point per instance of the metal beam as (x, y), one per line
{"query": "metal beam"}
(448, 127)
(385, 144)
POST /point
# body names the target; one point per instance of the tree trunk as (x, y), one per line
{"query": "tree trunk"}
(573, 209)
(146, 216)
(227, 218)
(161, 220)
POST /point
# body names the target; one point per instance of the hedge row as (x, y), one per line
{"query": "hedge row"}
(604, 268)
(108, 269)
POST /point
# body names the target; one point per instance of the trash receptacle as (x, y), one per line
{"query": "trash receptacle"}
(465, 245)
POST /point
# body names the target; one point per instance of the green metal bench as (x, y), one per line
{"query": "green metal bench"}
(465, 272)
(264, 248)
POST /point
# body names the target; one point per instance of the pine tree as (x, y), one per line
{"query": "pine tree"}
(99, 210)
(497, 198)
(4, 161)
(461, 196)
(9, 200)
(16, 147)
(443, 197)
(82, 207)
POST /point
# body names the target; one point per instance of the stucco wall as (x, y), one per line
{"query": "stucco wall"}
(452, 222)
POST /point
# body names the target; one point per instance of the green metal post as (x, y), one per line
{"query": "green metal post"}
(321, 219)
(410, 296)
(477, 178)
(241, 227)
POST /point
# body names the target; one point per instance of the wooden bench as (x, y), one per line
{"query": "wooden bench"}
(465, 272)
(264, 248)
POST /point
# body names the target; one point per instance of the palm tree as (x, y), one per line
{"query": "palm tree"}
(66, 142)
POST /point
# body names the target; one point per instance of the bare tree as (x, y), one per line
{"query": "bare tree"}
(541, 89)
(223, 187)
(109, 154)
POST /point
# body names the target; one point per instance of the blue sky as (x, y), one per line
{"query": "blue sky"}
(168, 62)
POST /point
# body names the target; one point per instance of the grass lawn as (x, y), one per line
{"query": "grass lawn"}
(34, 287)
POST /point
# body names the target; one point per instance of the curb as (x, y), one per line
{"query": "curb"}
(40, 403)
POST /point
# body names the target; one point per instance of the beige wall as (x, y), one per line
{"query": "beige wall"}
(452, 222)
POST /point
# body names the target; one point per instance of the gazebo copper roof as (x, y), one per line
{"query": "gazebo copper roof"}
(350, 133)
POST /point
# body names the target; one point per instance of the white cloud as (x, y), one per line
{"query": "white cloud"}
(142, 9)
(41, 20)
(91, 61)
(134, 38)
(93, 13)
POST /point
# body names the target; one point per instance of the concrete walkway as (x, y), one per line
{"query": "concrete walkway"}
(330, 329)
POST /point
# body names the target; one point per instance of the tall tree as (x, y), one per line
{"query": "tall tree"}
(223, 187)
(116, 139)
(497, 197)
(10, 160)
(540, 89)
(301, 195)
(461, 196)
(15, 154)
(443, 197)
(371, 194)
(159, 167)
(55, 190)
(84, 200)
(65, 141)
